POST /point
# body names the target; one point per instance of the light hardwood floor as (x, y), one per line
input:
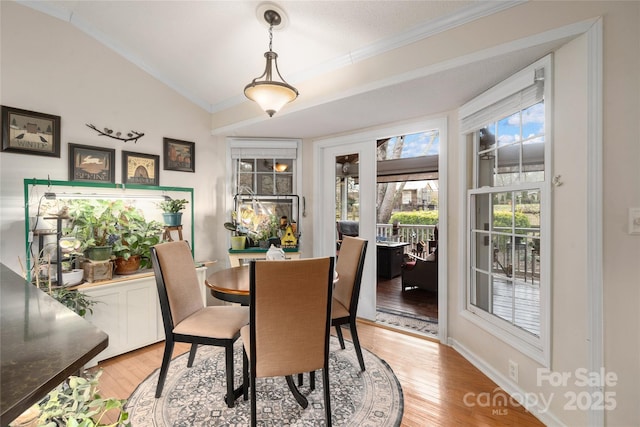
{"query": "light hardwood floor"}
(435, 380)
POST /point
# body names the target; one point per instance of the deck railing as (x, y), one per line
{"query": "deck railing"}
(522, 260)
(409, 233)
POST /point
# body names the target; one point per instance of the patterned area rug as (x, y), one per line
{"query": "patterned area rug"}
(409, 322)
(194, 396)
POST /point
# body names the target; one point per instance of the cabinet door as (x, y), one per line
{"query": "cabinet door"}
(108, 317)
(142, 308)
(128, 313)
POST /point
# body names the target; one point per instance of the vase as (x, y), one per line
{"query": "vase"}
(127, 266)
(99, 253)
(172, 219)
(238, 242)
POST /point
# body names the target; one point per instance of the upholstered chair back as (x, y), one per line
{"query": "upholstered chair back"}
(290, 315)
(180, 279)
(349, 270)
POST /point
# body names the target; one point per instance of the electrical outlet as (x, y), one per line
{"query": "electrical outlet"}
(513, 370)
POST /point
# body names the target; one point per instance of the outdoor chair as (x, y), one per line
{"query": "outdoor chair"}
(421, 273)
(346, 228)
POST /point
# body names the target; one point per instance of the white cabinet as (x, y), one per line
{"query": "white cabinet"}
(128, 310)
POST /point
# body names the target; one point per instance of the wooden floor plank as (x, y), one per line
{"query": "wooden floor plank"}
(440, 387)
(435, 379)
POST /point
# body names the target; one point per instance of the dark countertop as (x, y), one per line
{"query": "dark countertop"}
(41, 344)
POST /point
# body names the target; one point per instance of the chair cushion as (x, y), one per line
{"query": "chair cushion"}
(245, 336)
(222, 322)
(409, 265)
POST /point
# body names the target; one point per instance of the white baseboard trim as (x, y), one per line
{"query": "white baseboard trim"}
(511, 388)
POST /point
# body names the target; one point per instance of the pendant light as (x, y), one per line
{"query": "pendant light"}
(271, 94)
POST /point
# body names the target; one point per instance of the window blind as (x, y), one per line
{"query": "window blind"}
(525, 97)
(263, 153)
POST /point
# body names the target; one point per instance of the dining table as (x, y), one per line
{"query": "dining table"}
(232, 284)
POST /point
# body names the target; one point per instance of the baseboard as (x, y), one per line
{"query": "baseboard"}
(511, 388)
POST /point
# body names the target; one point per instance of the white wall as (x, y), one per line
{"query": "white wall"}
(49, 66)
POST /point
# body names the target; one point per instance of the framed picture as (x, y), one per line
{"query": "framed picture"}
(91, 164)
(179, 155)
(28, 132)
(140, 168)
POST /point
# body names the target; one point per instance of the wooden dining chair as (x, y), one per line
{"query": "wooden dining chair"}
(290, 324)
(347, 291)
(185, 316)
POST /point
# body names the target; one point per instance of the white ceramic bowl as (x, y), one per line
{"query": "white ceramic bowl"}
(71, 278)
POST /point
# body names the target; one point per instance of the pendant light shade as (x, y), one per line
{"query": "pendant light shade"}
(270, 94)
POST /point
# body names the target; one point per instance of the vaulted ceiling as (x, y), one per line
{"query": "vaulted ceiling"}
(209, 50)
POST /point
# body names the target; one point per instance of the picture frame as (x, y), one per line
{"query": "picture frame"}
(88, 163)
(140, 168)
(179, 155)
(30, 132)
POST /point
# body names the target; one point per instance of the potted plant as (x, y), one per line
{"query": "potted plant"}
(74, 300)
(240, 238)
(171, 208)
(94, 224)
(266, 230)
(137, 236)
(76, 402)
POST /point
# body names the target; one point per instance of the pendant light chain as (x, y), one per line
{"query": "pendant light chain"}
(271, 37)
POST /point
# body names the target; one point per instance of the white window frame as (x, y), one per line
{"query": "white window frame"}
(262, 148)
(538, 348)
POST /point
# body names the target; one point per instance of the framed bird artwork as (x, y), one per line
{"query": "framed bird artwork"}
(30, 132)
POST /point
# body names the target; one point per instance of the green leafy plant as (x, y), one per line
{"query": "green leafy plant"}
(267, 228)
(76, 403)
(113, 223)
(137, 236)
(94, 221)
(173, 205)
(74, 300)
(415, 217)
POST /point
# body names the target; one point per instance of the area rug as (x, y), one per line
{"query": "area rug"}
(409, 322)
(195, 396)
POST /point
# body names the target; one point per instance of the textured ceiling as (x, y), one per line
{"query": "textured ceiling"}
(209, 50)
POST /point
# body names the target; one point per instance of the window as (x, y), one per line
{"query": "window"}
(263, 185)
(264, 170)
(506, 130)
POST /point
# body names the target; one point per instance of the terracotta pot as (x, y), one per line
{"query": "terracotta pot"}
(127, 266)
